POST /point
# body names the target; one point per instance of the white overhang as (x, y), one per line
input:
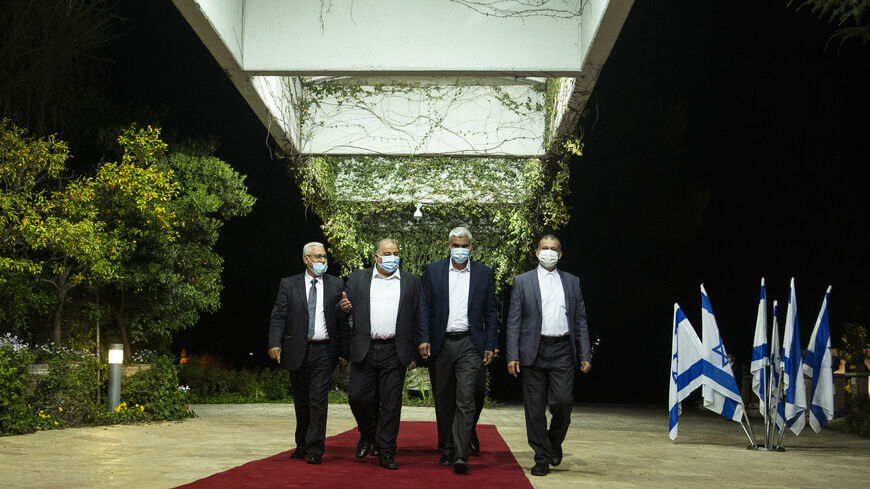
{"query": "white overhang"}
(428, 77)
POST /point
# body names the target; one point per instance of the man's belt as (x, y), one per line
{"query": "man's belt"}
(383, 341)
(455, 335)
(549, 340)
(318, 342)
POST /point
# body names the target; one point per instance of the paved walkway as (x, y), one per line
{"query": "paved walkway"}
(607, 447)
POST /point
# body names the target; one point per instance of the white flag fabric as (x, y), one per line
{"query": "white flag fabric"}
(818, 366)
(760, 355)
(795, 396)
(686, 367)
(720, 391)
(776, 372)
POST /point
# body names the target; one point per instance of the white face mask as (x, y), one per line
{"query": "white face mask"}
(548, 258)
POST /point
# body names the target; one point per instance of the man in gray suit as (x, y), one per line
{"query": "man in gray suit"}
(547, 338)
(382, 301)
(307, 336)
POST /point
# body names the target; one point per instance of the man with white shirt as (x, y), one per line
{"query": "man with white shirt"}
(382, 301)
(547, 339)
(457, 328)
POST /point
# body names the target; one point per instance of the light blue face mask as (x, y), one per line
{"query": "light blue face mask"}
(459, 255)
(319, 268)
(389, 263)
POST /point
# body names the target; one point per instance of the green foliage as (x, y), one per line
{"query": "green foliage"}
(852, 17)
(854, 344)
(210, 384)
(507, 204)
(157, 390)
(858, 420)
(15, 415)
(68, 391)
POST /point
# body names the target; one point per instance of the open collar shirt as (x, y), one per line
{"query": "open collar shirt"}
(384, 304)
(554, 313)
(459, 283)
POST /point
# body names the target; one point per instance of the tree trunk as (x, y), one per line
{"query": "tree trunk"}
(121, 319)
(62, 289)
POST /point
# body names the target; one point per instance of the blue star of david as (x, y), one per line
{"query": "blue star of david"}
(674, 373)
(720, 349)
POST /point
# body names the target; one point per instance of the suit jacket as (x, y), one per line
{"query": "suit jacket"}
(288, 325)
(435, 306)
(358, 288)
(524, 318)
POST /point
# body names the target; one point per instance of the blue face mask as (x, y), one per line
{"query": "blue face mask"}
(390, 263)
(459, 255)
(318, 268)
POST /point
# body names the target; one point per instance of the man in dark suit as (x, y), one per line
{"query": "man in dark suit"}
(382, 301)
(457, 324)
(307, 335)
(547, 338)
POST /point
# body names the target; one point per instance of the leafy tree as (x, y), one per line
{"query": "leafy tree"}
(852, 17)
(168, 280)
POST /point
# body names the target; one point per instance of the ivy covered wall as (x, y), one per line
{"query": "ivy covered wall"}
(506, 203)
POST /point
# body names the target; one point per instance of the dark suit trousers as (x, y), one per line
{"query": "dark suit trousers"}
(454, 374)
(310, 398)
(375, 396)
(548, 382)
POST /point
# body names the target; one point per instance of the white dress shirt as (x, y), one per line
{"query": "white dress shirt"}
(319, 318)
(554, 313)
(458, 282)
(384, 304)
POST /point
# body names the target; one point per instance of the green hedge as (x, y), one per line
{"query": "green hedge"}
(209, 384)
(67, 394)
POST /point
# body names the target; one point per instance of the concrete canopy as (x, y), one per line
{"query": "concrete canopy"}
(453, 77)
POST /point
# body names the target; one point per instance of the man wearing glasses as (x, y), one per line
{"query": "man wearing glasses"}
(307, 336)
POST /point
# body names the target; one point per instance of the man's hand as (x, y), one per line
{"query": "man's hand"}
(275, 354)
(585, 367)
(514, 368)
(342, 362)
(413, 365)
(424, 350)
(488, 355)
(345, 304)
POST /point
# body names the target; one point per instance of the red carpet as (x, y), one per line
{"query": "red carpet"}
(418, 466)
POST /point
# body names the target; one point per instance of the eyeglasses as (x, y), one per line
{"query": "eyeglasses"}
(317, 257)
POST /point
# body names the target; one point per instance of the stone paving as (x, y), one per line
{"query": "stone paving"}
(607, 447)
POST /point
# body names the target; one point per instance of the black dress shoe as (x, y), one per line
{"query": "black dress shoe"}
(389, 462)
(363, 447)
(474, 444)
(541, 468)
(556, 458)
(300, 454)
(445, 460)
(313, 459)
(460, 466)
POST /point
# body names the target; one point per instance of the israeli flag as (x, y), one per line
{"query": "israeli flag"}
(720, 391)
(686, 367)
(817, 365)
(760, 355)
(793, 378)
(776, 372)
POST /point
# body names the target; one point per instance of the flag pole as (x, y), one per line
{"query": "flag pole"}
(749, 433)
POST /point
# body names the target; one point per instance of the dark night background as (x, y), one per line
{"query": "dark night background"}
(724, 142)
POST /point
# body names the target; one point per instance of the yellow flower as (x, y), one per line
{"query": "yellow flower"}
(142, 408)
(60, 409)
(55, 423)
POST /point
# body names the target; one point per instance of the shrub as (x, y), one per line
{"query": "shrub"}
(68, 391)
(275, 383)
(15, 415)
(213, 384)
(158, 391)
